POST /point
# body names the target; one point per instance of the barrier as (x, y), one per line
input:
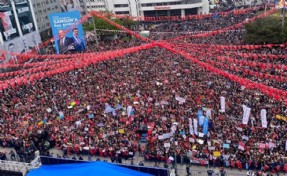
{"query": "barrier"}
(204, 173)
(20, 167)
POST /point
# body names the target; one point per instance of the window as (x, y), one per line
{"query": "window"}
(122, 12)
(121, 5)
(98, 6)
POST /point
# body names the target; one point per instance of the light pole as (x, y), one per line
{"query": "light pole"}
(94, 25)
(174, 145)
(283, 20)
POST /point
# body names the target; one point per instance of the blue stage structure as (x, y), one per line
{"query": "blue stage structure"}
(155, 171)
(86, 169)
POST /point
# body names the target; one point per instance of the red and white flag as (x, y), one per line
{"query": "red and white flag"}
(241, 145)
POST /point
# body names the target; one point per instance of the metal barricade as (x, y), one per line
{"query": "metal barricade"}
(21, 166)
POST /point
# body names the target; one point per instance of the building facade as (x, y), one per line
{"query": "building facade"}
(18, 27)
(42, 8)
(150, 8)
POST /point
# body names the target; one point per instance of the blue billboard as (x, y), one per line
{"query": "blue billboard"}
(72, 41)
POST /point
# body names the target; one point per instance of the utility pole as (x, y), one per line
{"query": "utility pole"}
(94, 25)
(175, 155)
(283, 20)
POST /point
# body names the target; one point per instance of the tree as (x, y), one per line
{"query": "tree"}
(101, 24)
(265, 31)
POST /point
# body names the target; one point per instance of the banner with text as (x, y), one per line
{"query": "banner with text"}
(67, 41)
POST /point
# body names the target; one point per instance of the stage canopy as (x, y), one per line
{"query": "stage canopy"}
(86, 169)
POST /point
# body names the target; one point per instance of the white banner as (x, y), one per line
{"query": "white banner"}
(246, 114)
(167, 144)
(286, 146)
(180, 99)
(222, 104)
(245, 137)
(165, 136)
(191, 132)
(263, 118)
(195, 126)
(208, 113)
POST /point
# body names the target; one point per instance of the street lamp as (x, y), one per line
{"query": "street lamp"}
(94, 25)
(175, 133)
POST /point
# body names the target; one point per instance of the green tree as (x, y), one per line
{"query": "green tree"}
(265, 31)
(101, 24)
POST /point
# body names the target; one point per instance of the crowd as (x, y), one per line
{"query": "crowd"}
(107, 108)
(170, 29)
(267, 65)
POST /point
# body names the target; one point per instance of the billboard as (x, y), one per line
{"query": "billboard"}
(24, 16)
(27, 43)
(70, 42)
(8, 27)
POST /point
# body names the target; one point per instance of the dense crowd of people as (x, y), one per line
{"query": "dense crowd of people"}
(106, 109)
(169, 29)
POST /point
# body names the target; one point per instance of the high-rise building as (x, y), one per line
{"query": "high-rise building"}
(42, 8)
(150, 8)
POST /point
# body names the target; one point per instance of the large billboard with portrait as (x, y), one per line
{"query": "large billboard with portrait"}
(26, 44)
(8, 27)
(70, 42)
(25, 16)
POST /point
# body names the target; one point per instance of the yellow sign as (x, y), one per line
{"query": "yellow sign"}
(121, 131)
(73, 103)
(194, 147)
(216, 153)
(279, 117)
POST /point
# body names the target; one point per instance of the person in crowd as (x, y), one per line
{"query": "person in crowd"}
(209, 172)
(187, 169)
